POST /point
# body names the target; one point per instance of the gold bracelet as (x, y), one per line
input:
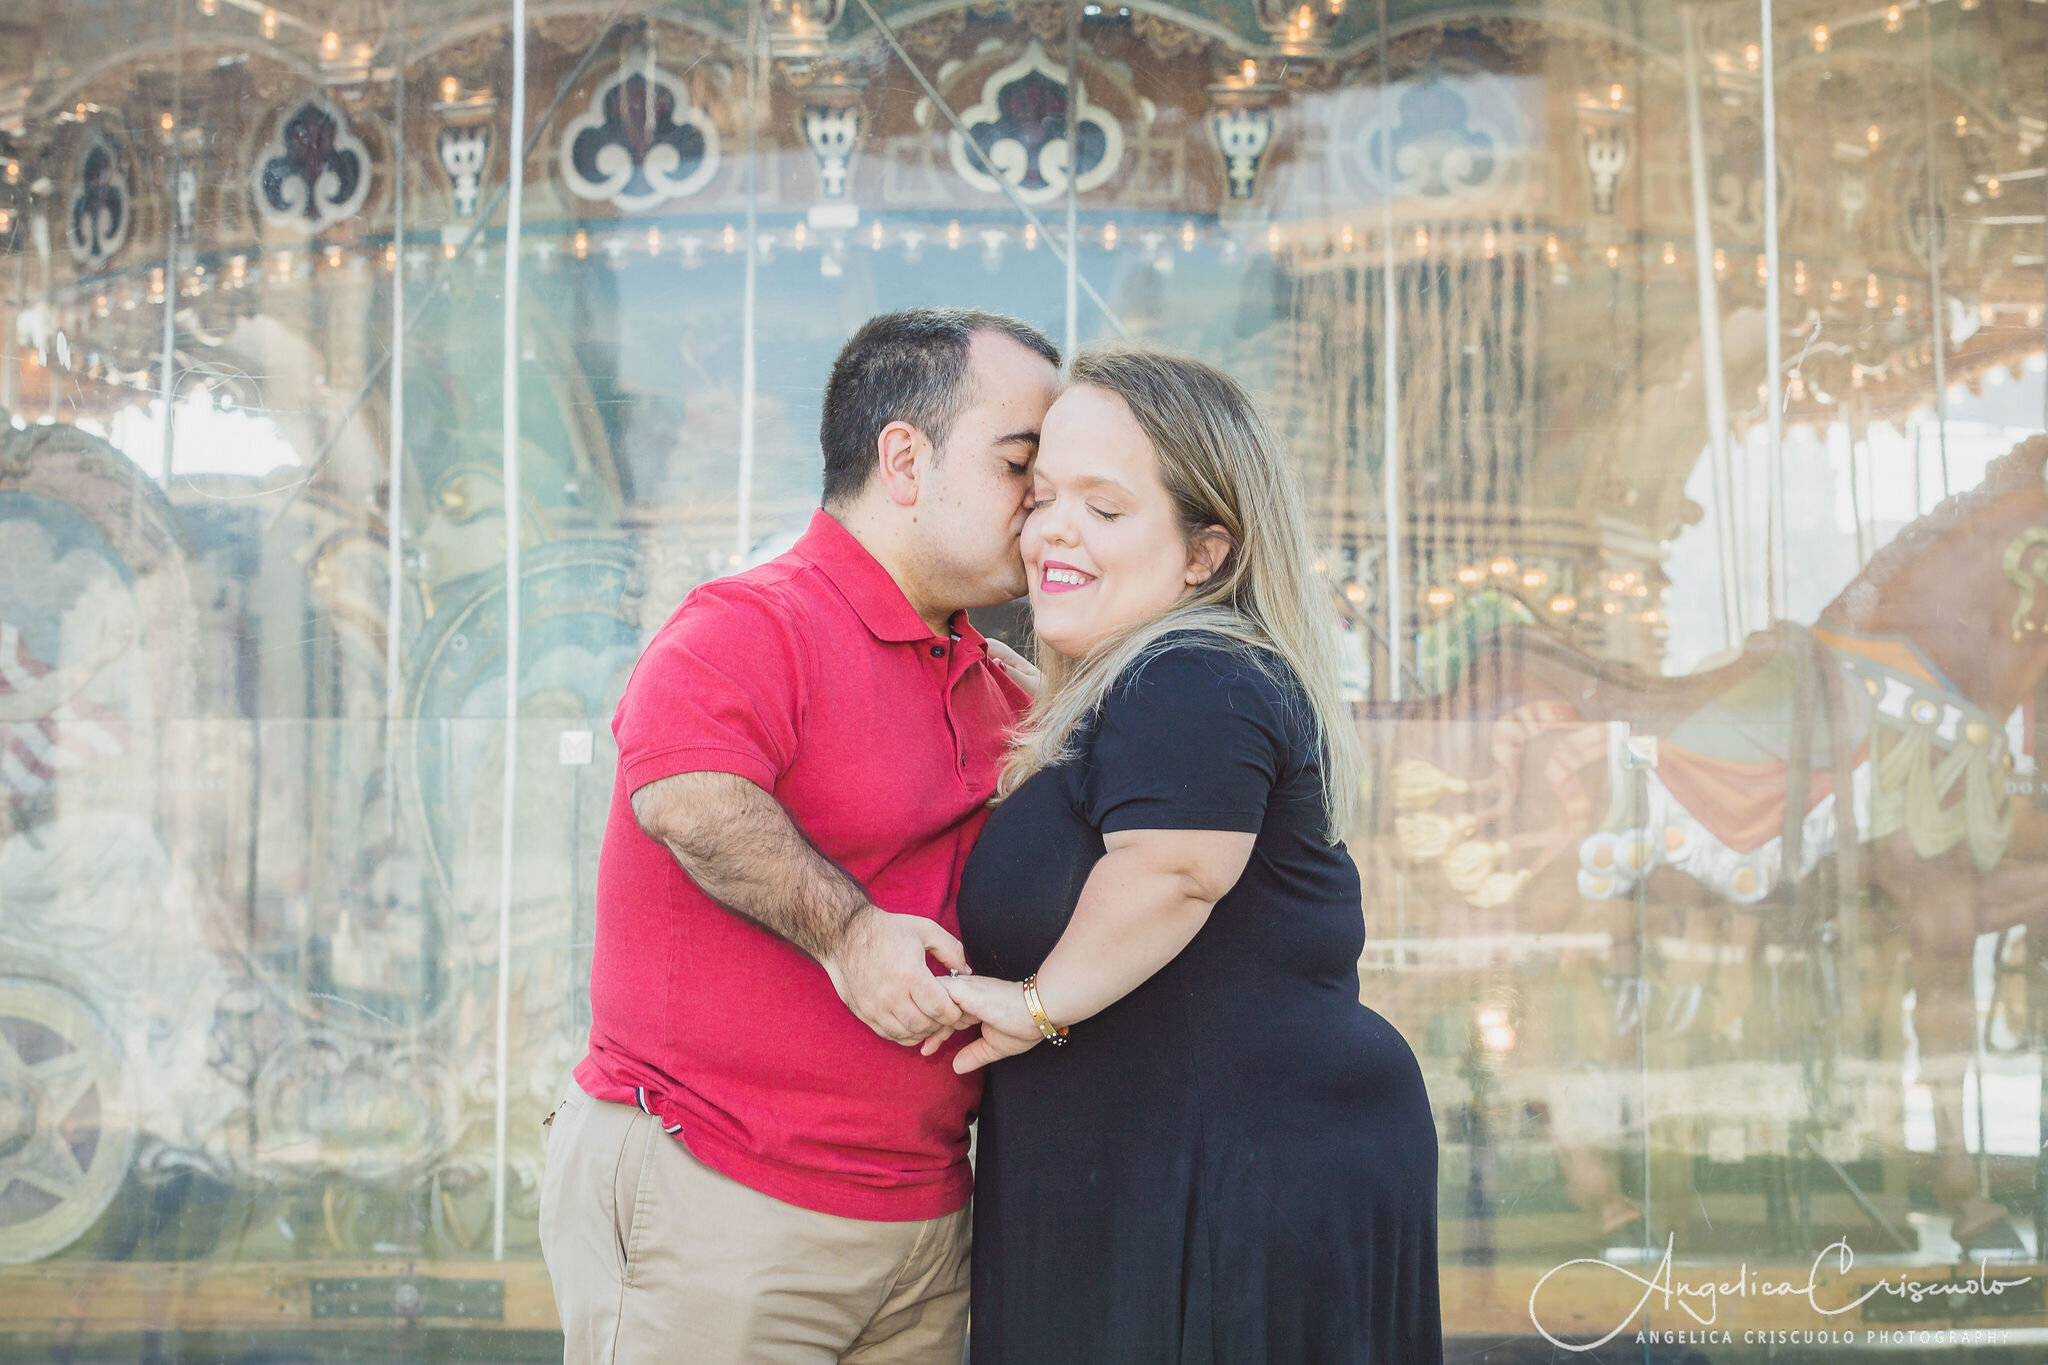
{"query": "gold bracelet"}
(1056, 1034)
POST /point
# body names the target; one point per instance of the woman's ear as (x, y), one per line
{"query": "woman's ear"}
(1206, 553)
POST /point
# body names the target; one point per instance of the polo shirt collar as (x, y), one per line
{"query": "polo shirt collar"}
(860, 577)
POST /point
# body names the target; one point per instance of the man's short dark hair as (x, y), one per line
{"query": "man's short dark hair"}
(910, 366)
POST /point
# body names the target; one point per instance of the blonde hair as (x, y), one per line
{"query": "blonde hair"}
(1222, 467)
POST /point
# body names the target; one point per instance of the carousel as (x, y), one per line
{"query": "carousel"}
(1666, 380)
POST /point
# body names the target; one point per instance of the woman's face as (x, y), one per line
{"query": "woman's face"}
(1103, 548)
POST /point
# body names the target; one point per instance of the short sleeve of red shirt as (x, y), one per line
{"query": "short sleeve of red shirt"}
(720, 689)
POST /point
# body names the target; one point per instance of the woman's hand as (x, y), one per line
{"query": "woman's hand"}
(1006, 1024)
(1016, 667)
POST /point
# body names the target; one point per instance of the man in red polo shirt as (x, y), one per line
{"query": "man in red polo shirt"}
(764, 1155)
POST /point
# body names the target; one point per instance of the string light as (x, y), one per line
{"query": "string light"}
(1720, 263)
(1613, 257)
(730, 239)
(1873, 135)
(953, 235)
(333, 257)
(1109, 231)
(448, 252)
(330, 44)
(1799, 277)
(1550, 246)
(1615, 95)
(167, 121)
(1031, 236)
(1251, 71)
(1893, 18)
(270, 23)
(1187, 236)
(875, 236)
(451, 89)
(209, 8)
(1489, 244)
(799, 235)
(1670, 254)
(1346, 239)
(391, 256)
(1820, 37)
(1962, 125)
(1422, 239)
(1272, 236)
(654, 241)
(1763, 267)
(1991, 187)
(580, 244)
(1563, 603)
(1439, 598)
(1752, 57)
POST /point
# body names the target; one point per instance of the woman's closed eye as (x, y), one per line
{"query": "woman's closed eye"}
(1104, 512)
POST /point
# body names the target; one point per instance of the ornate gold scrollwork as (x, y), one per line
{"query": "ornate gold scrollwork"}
(2028, 569)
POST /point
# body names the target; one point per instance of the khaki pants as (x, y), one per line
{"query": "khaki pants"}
(655, 1256)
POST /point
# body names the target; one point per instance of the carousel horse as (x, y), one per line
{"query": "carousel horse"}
(1872, 750)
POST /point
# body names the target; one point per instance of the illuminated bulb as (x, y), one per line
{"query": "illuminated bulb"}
(1873, 135)
(1991, 187)
(730, 238)
(451, 89)
(1969, 4)
(1893, 18)
(1651, 618)
(1752, 56)
(1820, 37)
(1422, 239)
(1962, 125)
(6, 220)
(953, 235)
(1470, 574)
(209, 8)
(799, 235)
(1763, 268)
(1437, 597)
(1501, 567)
(391, 256)
(1870, 290)
(1836, 290)
(1550, 246)
(1562, 603)
(1346, 239)
(580, 244)
(1109, 236)
(1670, 254)
(1799, 277)
(1533, 579)
(875, 236)
(238, 270)
(1489, 244)
(270, 23)
(1251, 71)
(1613, 257)
(1615, 95)
(330, 44)
(13, 171)
(333, 257)
(1611, 608)
(1272, 237)
(1187, 236)
(448, 251)
(1856, 378)
(167, 122)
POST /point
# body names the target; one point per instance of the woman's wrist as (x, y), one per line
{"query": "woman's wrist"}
(1054, 1033)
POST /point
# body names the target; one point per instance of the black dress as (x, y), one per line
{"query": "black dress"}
(1236, 1163)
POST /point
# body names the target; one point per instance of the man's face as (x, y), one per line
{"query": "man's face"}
(971, 498)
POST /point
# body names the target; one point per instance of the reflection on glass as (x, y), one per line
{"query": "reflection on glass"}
(250, 847)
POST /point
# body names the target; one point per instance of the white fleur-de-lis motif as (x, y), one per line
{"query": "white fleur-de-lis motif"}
(1606, 148)
(463, 152)
(1243, 134)
(834, 134)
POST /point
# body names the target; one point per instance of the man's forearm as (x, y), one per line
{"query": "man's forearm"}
(744, 852)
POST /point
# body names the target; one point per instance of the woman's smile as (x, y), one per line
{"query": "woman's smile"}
(1058, 577)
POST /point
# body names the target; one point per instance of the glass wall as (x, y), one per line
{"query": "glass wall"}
(380, 375)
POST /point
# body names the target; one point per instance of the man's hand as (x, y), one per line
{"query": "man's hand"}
(878, 968)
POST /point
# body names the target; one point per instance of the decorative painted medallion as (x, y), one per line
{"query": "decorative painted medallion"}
(641, 142)
(463, 152)
(833, 130)
(1444, 136)
(1242, 134)
(1022, 127)
(314, 171)
(100, 207)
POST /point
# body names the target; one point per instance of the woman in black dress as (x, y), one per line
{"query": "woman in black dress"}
(1228, 1159)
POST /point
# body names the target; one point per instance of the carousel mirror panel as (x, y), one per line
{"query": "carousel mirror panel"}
(1670, 386)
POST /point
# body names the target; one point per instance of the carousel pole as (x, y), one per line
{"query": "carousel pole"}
(510, 466)
(169, 380)
(1390, 380)
(394, 501)
(750, 285)
(1937, 233)
(1774, 342)
(1713, 368)
(1073, 179)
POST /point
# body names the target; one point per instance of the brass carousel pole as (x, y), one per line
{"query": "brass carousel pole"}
(510, 466)
(1774, 345)
(1937, 235)
(1073, 179)
(169, 381)
(1390, 381)
(1713, 369)
(750, 284)
(394, 500)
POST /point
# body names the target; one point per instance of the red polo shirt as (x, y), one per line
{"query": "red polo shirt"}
(813, 678)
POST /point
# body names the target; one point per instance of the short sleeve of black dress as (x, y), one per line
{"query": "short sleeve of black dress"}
(1192, 737)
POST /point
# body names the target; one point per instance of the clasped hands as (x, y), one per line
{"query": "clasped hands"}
(878, 968)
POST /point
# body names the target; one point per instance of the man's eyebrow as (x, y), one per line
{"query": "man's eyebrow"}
(1027, 437)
